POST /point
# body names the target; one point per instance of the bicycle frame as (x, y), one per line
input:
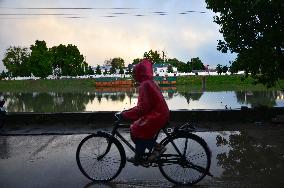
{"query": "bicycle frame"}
(170, 158)
(115, 132)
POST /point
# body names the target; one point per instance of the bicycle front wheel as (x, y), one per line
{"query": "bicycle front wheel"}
(100, 157)
(187, 159)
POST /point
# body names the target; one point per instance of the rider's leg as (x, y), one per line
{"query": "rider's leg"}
(157, 151)
(140, 147)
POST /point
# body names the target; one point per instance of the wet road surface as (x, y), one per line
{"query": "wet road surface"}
(244, 158)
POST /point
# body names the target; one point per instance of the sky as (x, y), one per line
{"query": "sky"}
(105, 29)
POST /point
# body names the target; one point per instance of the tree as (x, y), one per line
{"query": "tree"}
(181, 67)
(136, 61)
(117, 63)
(233, 69)
(69, 59)
(16, 61)
(98, 70)
(224, 69)
(121, 71)
(188, 67)
(219, 69)
(39, 61)
(170, 69)
(3, 75)
(154, 56)
(89, 71)
(196, 64)
(253, 30)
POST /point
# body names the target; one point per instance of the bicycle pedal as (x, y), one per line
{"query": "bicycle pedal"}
(154, 165)
(146, 165)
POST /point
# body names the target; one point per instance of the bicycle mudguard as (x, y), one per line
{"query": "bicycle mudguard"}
(113, 139)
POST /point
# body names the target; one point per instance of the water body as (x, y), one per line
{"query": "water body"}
(111, 99)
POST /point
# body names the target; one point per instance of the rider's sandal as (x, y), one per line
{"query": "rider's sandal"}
(158, 150)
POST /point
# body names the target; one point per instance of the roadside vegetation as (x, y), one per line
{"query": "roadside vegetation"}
(63, 85)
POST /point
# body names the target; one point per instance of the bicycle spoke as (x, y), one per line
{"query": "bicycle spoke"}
(197, 168)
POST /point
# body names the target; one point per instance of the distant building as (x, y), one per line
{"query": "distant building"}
(162, 69)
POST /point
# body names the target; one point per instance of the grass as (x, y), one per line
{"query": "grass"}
(64, 85)
(213, 83)
(223, 83)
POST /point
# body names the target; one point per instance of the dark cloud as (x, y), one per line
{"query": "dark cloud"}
(119, 13)
(75, 17)
(195, 11)
(160, 12)
(110, 16)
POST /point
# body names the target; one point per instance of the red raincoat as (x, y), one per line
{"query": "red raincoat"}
(151, 112)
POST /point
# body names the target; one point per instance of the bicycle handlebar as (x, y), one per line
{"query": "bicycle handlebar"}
(118, 116)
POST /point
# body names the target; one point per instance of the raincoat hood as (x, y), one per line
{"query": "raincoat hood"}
(143, 71)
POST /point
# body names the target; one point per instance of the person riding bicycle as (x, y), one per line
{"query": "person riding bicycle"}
(149, 115)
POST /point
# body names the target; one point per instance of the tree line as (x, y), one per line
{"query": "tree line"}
(41, 61)
(156, 58)
(62, 60)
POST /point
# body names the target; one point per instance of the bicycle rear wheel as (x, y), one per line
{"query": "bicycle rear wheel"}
(190, 165)
(100, 157)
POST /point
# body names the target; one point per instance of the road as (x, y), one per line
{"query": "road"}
(252, 157)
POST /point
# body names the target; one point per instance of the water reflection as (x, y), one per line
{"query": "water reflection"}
(195, 96)
(47, 102)
(251, 158)
(116, 99)
(258, 98)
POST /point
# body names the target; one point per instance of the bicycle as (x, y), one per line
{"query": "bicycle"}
(101, 156)
(2, 113)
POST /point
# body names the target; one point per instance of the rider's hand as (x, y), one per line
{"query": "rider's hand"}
(119, 115)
